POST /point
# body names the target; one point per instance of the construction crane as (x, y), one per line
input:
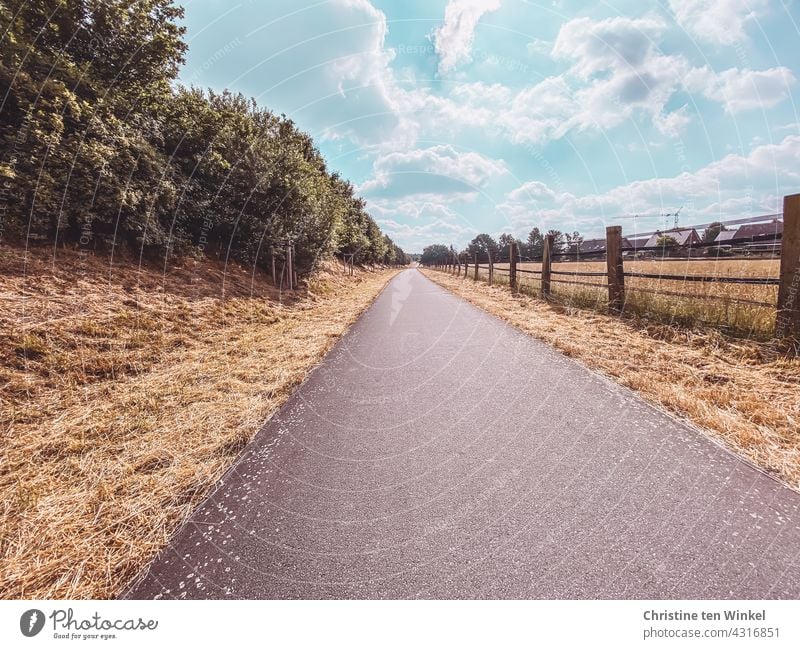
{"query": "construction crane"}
(675, 215)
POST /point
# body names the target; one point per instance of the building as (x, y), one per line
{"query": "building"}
(637, 244)
(685, 237)
(725, 235)
(752, 232)
(595, 246)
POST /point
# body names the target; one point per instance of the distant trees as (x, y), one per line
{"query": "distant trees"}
(483, 245)
(504, 242)
(435, 254)
(712, 231)
(535, 242)
(665, 241)
(573, 240)
(98, 148)
(558, 240)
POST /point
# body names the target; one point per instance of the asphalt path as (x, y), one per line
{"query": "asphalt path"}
(437, 452)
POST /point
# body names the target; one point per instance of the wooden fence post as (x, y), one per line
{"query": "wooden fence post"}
(547, 261)
(491, 267)
(289, 265)
(616, 273)
(272, 254)
(458, 267)
(476, 266)
(787, 321)
(293, 279)
(512, 265)
(466, 265)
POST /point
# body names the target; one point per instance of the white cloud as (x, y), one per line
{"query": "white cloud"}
(739, 90)
(736, 185)
(540, 112)
(531, 191)
(616, 74)
(539, 46)
(418, 207)
(438, 168)
(341, 79)
(611, 44)
(416, 237)
(624, 73)
(453, 39)
(721, 22)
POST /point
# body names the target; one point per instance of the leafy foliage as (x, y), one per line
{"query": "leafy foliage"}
(535, 247)
(483, 246)
(435, 254)
(712, 231)
(666, 241)
(98, 148)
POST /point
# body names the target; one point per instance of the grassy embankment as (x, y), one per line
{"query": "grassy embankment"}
(743, 393)
(125, 393)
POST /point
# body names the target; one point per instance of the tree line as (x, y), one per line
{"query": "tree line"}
(100, 147)
(484, 245)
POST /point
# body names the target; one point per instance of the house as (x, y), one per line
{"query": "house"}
(752, 232)
(685, 237)
(589, 246)
(636, 244)
(725, 235)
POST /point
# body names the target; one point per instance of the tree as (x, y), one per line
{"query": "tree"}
(712, 231)
(503, 244)
(573, 240)
(535, 244)
(98, 147)
(435, 254)
(483, 245)
(665, 241)
(558, 240)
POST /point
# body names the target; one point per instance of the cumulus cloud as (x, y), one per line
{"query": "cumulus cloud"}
(721, 22)
(417, 236)
(740, 90)
(735, 185)
(453, 39)
(617, 72)
(436, 169)
(625, 71)
(610, 44)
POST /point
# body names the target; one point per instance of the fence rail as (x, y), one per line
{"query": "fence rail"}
(787, 305)
(760, 281)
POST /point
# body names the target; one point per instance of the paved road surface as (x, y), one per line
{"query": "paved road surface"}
(439, 453)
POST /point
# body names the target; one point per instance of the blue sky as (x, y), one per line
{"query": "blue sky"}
(456, 117)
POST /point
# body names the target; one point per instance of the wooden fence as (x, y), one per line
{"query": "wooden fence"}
(787, 320)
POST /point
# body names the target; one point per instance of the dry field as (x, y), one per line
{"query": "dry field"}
(743, 393)
(126, 392)
(711, 303)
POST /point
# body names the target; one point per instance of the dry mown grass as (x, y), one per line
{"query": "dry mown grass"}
(711, 303)
(741, 392)
(125, 393)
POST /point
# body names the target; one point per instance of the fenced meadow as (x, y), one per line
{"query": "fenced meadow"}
(752, 295)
